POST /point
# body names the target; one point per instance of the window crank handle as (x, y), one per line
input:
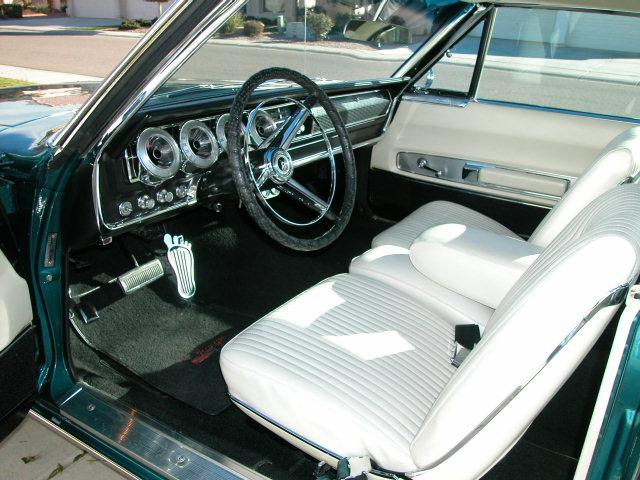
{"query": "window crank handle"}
(424, 164)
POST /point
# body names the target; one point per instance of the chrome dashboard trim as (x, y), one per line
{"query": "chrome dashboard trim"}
(302, 141)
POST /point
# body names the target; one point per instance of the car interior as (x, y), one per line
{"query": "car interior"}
(438, 298)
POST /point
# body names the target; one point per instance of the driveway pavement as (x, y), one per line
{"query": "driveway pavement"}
(33, 452)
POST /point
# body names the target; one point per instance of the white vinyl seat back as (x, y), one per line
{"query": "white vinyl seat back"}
(535, 333)
(618, 162)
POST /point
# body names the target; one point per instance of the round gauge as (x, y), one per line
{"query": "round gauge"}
(221, 131)
(158, 154)
(261, 127)
(198, 144)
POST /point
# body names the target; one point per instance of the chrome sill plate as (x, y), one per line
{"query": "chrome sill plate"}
(149, 442)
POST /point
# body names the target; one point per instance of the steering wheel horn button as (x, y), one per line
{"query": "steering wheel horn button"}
(281, 166)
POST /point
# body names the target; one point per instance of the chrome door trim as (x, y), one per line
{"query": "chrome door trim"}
(449, 100)
(470, 14)
(149, 442)
(469, 173)
(81, 445)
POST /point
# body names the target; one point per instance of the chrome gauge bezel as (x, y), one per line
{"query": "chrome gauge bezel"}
(156, 173)
(253, 128)
(193, 160)
(221, 134)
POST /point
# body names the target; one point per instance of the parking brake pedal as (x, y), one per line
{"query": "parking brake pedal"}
(180, 257)
(140, 276)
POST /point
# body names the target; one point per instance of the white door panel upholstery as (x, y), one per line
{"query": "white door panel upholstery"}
(519, 138)
(357, 367)
(15, 303)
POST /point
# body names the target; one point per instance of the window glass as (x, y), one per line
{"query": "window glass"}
(454, 71)
(582, 61)
(330, 40)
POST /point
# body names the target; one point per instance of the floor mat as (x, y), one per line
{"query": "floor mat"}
(163, 344)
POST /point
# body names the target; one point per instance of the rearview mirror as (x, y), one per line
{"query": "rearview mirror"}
(377, 32)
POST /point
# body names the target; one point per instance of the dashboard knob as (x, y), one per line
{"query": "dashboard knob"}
(181, 191)
(164, 196)
(145, 202)
(125, 209)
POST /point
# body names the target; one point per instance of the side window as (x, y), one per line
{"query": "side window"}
(453, 73)
(579, 61)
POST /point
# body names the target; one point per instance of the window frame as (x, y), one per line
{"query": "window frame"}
(445, 97)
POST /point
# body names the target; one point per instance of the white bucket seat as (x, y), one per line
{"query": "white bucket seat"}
(353, 367)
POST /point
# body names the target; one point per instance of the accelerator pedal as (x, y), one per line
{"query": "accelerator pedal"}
(141, 276)
(180, 256)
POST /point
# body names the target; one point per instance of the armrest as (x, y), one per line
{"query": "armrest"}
(478, 264)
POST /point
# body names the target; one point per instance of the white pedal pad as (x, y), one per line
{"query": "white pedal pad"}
(181, 260)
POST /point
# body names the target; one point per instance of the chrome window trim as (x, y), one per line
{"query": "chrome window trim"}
(577, 113)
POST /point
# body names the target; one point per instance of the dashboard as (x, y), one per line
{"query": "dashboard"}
(169, 163)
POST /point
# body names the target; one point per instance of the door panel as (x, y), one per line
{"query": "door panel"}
(15, 304)
(18, 368)
(524, 154)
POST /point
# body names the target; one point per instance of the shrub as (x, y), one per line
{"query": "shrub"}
(268, 22)
(341, 20)
(11, 10)
(129, 24)
(235, 22)
(40, 8)
(319, 23)
(253, 28)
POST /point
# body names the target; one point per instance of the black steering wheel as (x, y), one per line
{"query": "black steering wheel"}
(264, 171)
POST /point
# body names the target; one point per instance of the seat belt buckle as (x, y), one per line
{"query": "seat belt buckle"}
(466, 337)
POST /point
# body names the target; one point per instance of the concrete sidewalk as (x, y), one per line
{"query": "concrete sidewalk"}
(33, 452)
(43, 77)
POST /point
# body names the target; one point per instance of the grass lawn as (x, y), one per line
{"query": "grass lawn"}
(10, 82)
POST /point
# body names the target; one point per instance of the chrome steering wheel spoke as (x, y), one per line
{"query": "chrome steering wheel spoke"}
(271, 162)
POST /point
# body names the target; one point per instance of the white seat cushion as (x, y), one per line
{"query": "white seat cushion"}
(392, 265)
(350, 364)
(403, 233)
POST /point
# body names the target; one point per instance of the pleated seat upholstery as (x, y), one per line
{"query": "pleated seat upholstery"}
(343, 365)
(353, 367)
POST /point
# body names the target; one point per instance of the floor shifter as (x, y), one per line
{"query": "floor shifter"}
(180, 256)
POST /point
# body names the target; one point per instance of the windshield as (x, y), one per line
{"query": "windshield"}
(327, 40)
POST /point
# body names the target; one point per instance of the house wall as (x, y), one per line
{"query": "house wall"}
(114, 8)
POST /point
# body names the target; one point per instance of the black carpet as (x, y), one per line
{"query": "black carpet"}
(174, 349)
